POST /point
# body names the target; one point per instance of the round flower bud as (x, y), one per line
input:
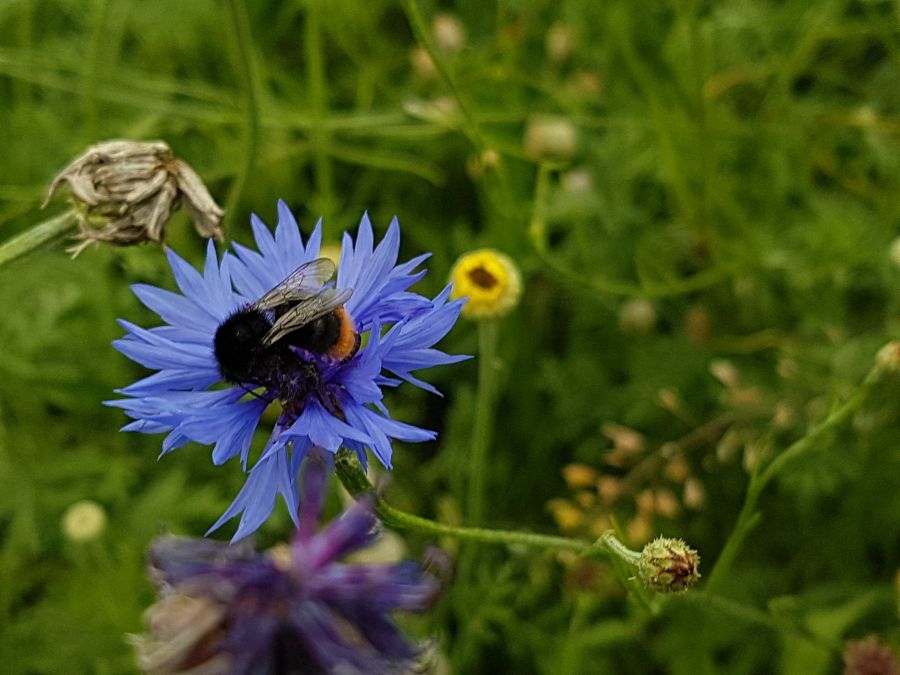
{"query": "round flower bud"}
(888, 358)
(894, 251)
(422, 65)
(668, 565)
(491, 282)
(566, 514)
(551, 138)
(578, 182)
(84, 521)
(559, 42)
(449, 33)
(579, 475)
(637, 317)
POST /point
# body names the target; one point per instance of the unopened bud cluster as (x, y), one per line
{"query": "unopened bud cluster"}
(668, 565)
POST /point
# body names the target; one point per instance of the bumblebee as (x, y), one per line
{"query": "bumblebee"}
(275, 342)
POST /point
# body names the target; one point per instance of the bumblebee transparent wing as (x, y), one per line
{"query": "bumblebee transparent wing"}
(309, 309)
(304, 282)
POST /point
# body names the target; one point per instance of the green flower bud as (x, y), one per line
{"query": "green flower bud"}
(668, 565)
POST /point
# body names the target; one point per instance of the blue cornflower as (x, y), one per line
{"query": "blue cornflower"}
(184, 398)
(295, 609)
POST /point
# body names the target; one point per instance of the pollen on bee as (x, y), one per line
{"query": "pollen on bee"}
(347, 343)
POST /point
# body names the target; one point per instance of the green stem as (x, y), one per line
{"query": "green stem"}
(37, 236)
(243, 50)
(423, 35)
(749, 516)
(357, 484)
(483, 424)
(319, 134)
(537, 233)
(92, 70)
(619, 549)
(509, 210)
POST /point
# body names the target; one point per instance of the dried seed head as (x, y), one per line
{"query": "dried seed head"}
(609, 489)
(677, 469)
(666, 503)
(568, 517)
(125, 192)
(181, 632)
(694, 494)
(645, 502)
(579, 475)
(626, 440)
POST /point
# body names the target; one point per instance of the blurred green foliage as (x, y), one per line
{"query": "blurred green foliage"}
(734, 166)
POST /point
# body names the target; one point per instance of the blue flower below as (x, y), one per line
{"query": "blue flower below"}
(295, 609)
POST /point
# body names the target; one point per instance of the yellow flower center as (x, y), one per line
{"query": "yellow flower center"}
(491, 282)
(481, 277)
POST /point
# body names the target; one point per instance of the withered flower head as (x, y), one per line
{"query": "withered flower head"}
(125, 192)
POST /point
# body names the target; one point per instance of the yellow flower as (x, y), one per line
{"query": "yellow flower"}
(491, 282)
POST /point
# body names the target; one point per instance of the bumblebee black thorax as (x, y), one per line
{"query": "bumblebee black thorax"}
(237, 344)
(244, 359)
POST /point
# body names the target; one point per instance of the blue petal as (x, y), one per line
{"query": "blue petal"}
(324, 429)
(171, 379)
(380, 428)
(255, 501)
(175, 309)
(237, 435)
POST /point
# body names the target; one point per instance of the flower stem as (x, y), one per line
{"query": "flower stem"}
(317, 91)
(483, 424)
(619, 549)
(37, 236)
(354, 479)
(508, 209)
(357, 484)
(242, 46)
(423, 35)
(749, 516)
(538, 236)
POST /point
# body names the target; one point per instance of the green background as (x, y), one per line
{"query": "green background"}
(734, 164)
